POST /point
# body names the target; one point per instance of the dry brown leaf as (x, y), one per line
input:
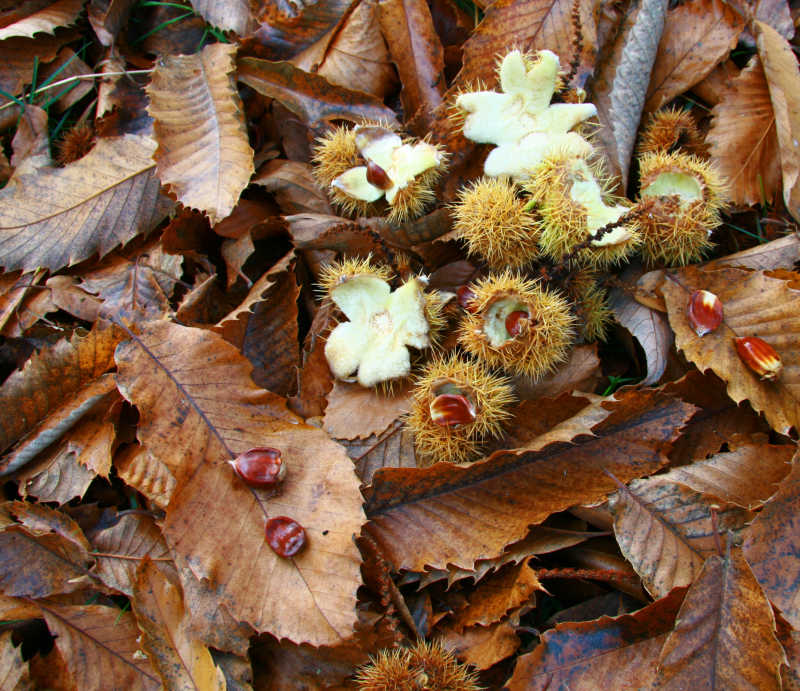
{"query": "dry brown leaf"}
(459, 514)
(107, 17)
(228, 15)
(52, 548)
(416, 50)
(357, 57)
(119, 548)
(754, 305)
(783, 79)
(191, 384)
(60, 216)
(776, 254)
(580, 372)
(482, 646)
(182, 661)
(203, 153)
(771, 547)
(47, 20)
(621, 83)
(724, 634)
(746, 476)
(17, 55)
(54, 390)
(697, 36)
(31, 142)
(647, 326)
(67, 65)
(743, 140)
(139, 469)
(100, 646)
(666, 531)
(354, 412)
(607, 653)
(14, 674)
(393, 448)
(294, 187)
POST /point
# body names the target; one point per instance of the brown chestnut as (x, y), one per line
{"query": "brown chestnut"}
(285, 536)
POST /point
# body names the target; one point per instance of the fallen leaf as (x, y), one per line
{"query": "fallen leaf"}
(783, 79)
(14, 672)
(580, 372)
(294, 187)
(666, 531)
(139, 469)
(392, 448)
(482, 646)
(771, 547)
(201, 390)
(724, 635)
(182, 661)
(100, 646)
(418, 516)
(203, 154)
(743, 140)
(754, 305)
(697, 36)
(60, 216)
(228, 15)
(107, 18)
(610, 653)
(355, 412)
(46, 20)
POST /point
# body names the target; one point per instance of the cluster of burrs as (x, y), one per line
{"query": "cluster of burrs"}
(542, 223)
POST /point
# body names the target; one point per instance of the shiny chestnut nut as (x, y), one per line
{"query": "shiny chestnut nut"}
(285, 536)
(466, 298)
(452, 410)
(759, 356)
(515, 321)
(260, 467)
(377, 176)
(704, 312)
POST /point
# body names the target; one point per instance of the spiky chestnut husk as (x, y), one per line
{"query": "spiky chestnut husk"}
(435, 303)
(574, 205)
(423, 667)
(671, 129)
(544, 340)
(685, 196)
(591, 304)
(491, 217)
(75, 144)
(490, 394)
(339, 272)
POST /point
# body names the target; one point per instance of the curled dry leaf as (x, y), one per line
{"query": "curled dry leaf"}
(754, 305)
(524, 488)
(191, 385)
(666, 531)
(203, 154)
(138, 468)
(180, 659)
(46, 20)
(743, 140)
(355, 412)
(697, 36)
(481, 646)
(59, 216)
(608, 653)
(771, 545)
(100, 646)
(54, 390)
(14, 672)
(724, 635)
(228, 15)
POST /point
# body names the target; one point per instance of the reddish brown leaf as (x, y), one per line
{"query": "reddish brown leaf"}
(415, 48)
(724, 635)
(191, 384)
(482, 646)
(667, 531)
(100, 646)
(697, 36)
(580, 373)
(754, 305)
(309, 96)
(354, 412)
(609, 653)
(418, 516)
(107, 17)
(771, 547)
(294, 187)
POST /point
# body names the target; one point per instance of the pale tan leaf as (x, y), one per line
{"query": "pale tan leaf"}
(355, 412)
(666, 531)
(203, 153)
(119, 548)
(100, 646)
(781, 253)
(191, 385)
(182, 661)
(60, 216)
(743, 140)
(754, 304)
(697, 36)
(622, 81)
(138, 468)
(724, 635)
(783, 79)
(772, 547)
(55, 477)
(228, 15)
(746, 476)
(14, 675)
(47, 20)
(56, 388)
(482, 646)
(31, 142)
